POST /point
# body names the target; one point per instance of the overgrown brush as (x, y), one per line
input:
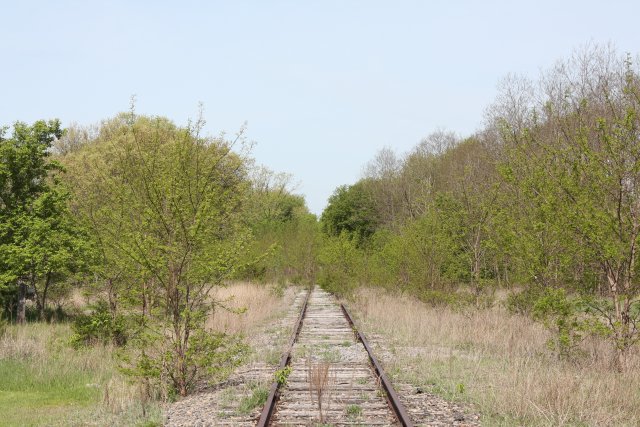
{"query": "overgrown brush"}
(502, 362)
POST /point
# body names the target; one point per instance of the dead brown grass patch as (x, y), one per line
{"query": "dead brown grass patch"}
(244, 306)
(320, 381)
(500, 363)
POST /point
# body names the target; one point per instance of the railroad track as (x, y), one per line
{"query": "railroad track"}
(329, 375)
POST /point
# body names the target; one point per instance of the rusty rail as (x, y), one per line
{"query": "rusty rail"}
(270, 404)
(392, 396)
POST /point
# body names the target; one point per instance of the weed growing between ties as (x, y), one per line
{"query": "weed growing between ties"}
(353, 411)
(320, 381)
(501, 364)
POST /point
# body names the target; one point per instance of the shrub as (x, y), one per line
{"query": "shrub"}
(100, 326)
(340, 263)
(559, 313)
(522, 302)
(440, 298)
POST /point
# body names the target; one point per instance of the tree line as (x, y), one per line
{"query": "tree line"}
(146, 217)
(544, 200)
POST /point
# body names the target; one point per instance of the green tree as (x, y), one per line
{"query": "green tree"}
(166, 206)
(40, 244)
(285, 233)
(583, 154)
(472, 182)
(340, 264)
(351, 210)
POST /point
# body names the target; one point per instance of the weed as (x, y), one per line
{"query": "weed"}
(319, 381)
(499, 362)
(250, 306)
(354, 411)
(257, 399)
(47, 382)
(279, 288)
(272, 357)
(330, 356)
(282, 375)
(228, 397)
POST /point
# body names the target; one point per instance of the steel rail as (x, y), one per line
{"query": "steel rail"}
(392, 396)
(267, 411)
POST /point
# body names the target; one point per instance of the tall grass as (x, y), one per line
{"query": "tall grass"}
(500, 363)
(244, 306)
(47, 382)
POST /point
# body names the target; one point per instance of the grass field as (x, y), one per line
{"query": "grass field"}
(45, 381)
(500, 364)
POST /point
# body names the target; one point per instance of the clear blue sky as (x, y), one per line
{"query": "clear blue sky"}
(323, 85)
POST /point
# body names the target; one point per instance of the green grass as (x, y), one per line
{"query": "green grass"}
(257, 399)
(56, 382)
(46, 382)
(354, 411)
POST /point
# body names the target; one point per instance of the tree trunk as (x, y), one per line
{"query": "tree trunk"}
(621, 328)
(42, 305)
(113, 297)
(181, 336)
(475, 266)
(21, 317)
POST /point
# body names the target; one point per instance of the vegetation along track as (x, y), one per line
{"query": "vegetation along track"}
(328, 374)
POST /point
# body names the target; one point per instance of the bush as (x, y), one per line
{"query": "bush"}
(559, 314)
(101, 326)
(439, 298)
(211, 357)
(523, 302)
(340, 263)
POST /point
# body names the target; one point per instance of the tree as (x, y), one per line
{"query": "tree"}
(285, 233)
(351, 210)
(166, 205)
(39, 242)
(382, 185)
(473, 182)
(271, 200)
(582, 143)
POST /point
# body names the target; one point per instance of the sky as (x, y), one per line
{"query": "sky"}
(321, 85)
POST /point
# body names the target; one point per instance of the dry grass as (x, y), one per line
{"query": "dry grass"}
(47, 382)
(500, 363)
(248, 305)
(320, 382)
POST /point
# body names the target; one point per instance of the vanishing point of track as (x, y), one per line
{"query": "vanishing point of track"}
(356, 391)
